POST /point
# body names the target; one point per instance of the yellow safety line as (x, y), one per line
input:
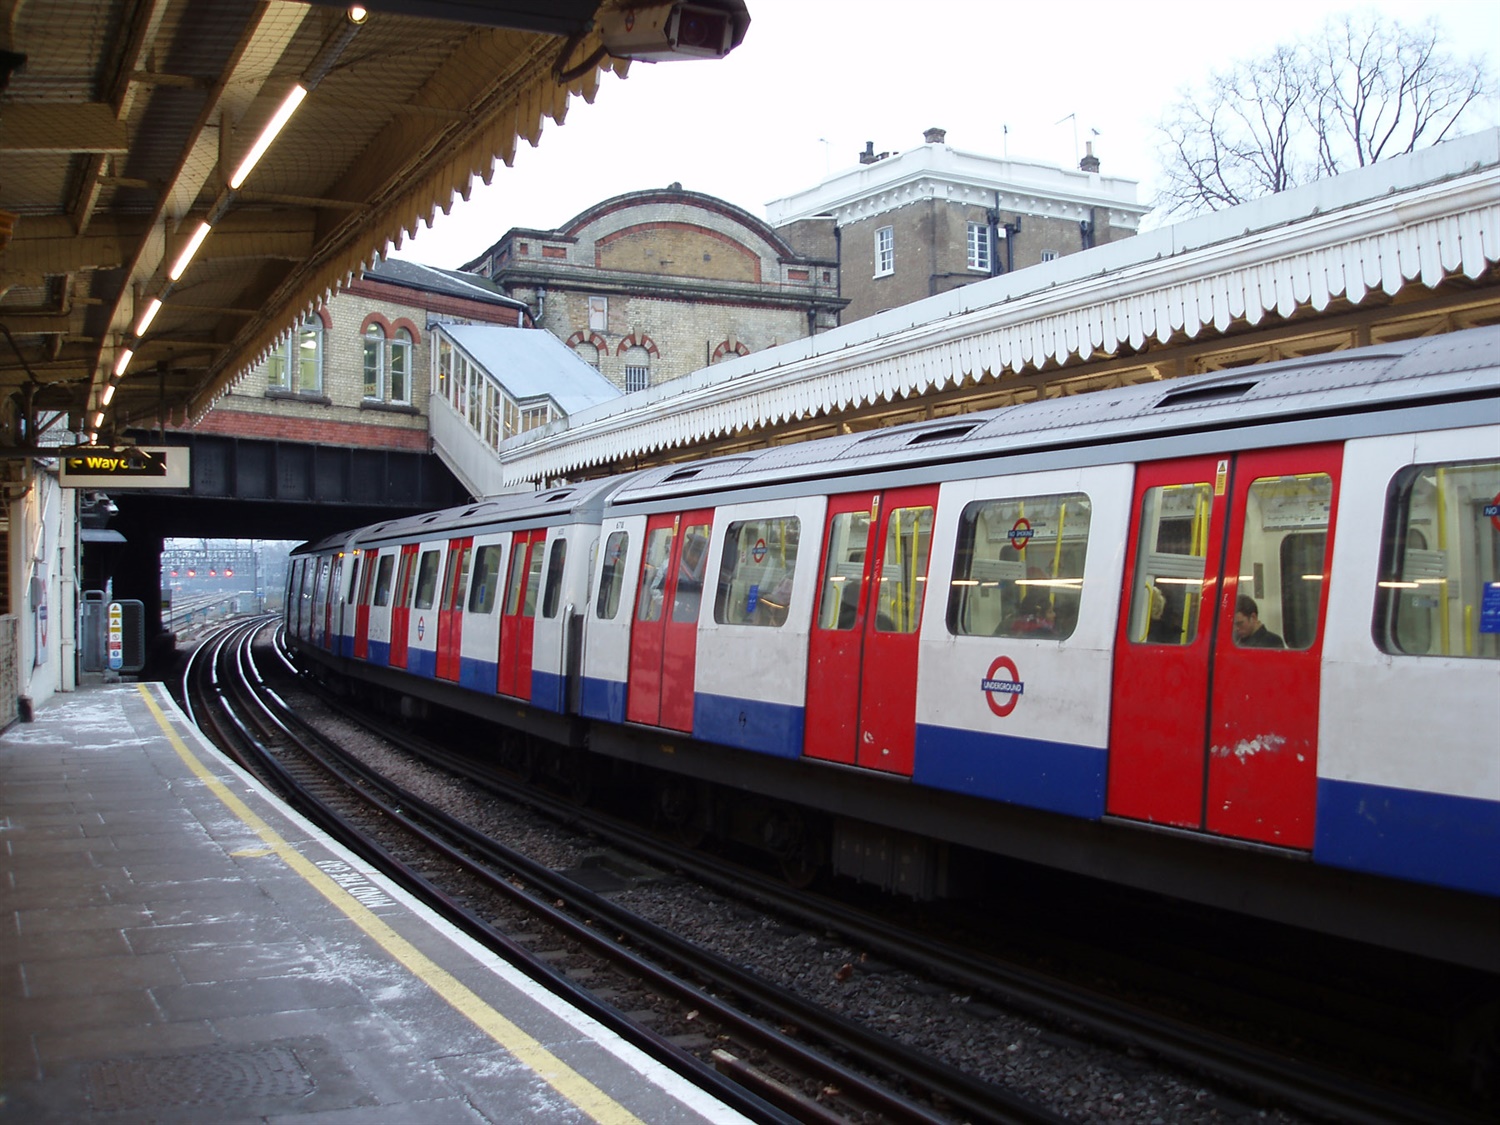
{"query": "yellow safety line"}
(557, 1074)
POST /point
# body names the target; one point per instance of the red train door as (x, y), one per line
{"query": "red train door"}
(401, 605)
(835, 648)
(451, 608)
(526, 554)
(664, 634)
(1214, 726)
(330, 622)
(862, 654)
(368, 560)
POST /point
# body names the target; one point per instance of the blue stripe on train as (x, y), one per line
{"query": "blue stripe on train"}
(421, 662)
(379, 652)
(749, 724)
(1057, 776)
(603, 699)
(548, 691)
(1425, 837)
(477, 675)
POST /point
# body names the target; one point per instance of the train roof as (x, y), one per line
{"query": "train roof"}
(1453, 366)
(519, 509)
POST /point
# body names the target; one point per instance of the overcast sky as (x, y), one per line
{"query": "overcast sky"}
(816, 79)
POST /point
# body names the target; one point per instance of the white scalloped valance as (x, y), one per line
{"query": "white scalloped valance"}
(1173, 282)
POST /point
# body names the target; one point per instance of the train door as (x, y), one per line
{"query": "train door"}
(862, 667)
(664, 635)
(362, 606)
(1217, 661)
(516, 624)
(451, 607)
(401, 605)
(332, 613)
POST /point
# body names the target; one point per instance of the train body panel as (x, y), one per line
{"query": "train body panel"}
(606, 657)
(1013, 697)
(750, 682)
(1255, 608)
(480, 601)
(1409, 775)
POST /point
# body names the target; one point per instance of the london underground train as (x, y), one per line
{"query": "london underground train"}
(1232, 638)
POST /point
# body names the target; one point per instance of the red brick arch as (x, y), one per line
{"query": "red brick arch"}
(642, 341)
(728, 347)
(601, 345)
(322, 313)
(403, 322)
(376, 318)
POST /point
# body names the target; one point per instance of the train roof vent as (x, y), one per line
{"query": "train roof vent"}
(559, 495)
(682, 474)
(1214, 392)
(945, 433)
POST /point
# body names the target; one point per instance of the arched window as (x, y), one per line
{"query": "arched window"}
(374, 362)
(587, 352)
(401, 366)
(637, 369)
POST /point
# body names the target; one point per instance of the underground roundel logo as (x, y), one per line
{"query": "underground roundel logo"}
(1020, 534)
(1002, 686)
(421, 627)
(1492, 509)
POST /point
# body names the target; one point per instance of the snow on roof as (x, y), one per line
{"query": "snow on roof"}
(532, 364)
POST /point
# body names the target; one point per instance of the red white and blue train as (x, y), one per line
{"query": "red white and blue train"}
(1234, 638)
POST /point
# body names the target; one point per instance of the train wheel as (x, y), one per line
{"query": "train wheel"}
(677, 808)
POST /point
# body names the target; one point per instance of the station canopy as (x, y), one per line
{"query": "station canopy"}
(123, 128)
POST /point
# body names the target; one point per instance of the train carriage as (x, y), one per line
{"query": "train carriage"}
(1259, 608)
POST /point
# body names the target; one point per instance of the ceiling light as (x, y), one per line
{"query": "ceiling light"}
(152, 308)
(288, 107)
(188, 251)
(124, 361)
(109, 393)
(358, 13)
(98, 421)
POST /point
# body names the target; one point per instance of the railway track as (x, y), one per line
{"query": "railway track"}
(760, 1047)
(925, 1090)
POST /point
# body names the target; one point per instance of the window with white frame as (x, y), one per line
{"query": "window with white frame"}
(598, 314)
(885, 251)
(979, 247)
(297, 364)
(1048, 255)
(401, 349)
(534, 416)
(374, 362)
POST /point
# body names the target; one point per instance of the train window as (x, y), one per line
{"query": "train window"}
(848, 533)
(1281, 562)
(517, 578)
(367, 582)
(383, 579)
(903, 571)
(533, 580)
(486, 579)
(403, 578)
(1018, 567)
(553, 593)
(456, 580)
(690, 567)
(612, 580)
(756, 571)
(1438, 592)
(353, 593)
(1167, 592)
(427, 576)
(654, 574)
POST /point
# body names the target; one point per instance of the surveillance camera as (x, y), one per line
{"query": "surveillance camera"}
(661, 32)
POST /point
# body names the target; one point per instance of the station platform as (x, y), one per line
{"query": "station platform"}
(179, 946)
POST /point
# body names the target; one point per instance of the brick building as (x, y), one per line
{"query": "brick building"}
(909, 225)
(357, 371)
(651, 285)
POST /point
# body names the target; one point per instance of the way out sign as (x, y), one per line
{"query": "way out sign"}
(141, 466)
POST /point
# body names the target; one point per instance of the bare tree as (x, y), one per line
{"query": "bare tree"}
(1364, 90)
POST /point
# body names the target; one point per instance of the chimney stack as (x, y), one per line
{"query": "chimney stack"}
(934, 136)
(1090, 162)
(868, 156)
